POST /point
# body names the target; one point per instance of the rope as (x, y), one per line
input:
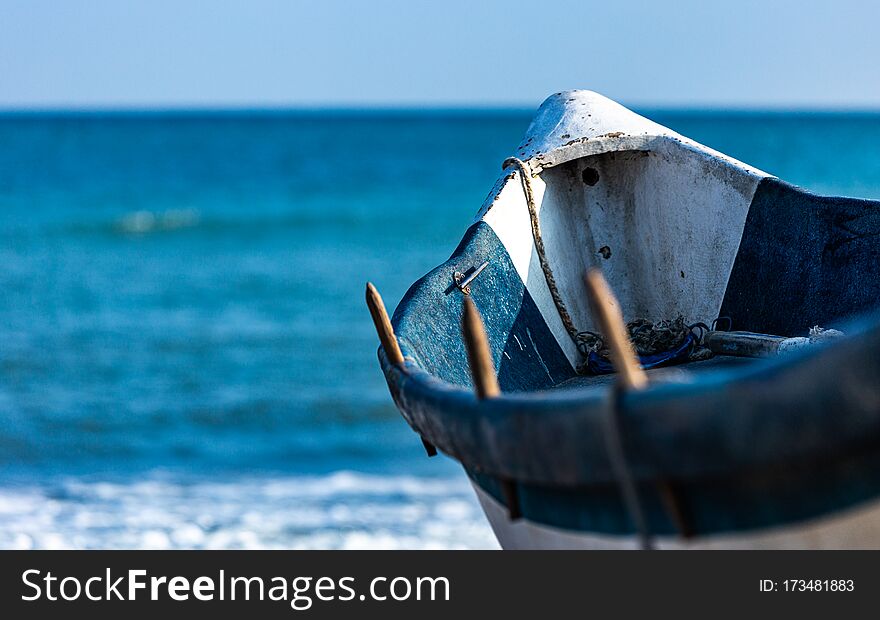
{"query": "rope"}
(526, 176)
(648, 337)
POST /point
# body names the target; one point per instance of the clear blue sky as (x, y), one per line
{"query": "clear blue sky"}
(169, 53)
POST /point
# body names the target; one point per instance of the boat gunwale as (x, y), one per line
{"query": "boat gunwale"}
(558, 133)
(723, 422)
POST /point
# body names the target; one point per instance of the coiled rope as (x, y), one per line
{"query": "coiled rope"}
(525, 176)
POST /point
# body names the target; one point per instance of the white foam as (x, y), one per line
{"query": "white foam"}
(142, 222)
(342, 510)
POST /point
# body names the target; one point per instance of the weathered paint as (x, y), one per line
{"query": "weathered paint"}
(661, 215)
(578, 123)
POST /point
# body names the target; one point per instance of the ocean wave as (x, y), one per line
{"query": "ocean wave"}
(143, 222)
(342, 510)
(330, 217)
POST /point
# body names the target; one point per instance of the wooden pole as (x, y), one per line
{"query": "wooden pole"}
(383, 325)
(479, 355)
(485, 383)
(631, 376)
(606, 310)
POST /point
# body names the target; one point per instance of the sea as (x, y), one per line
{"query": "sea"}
(186, 359)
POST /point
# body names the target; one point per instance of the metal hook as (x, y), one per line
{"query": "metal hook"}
(463, 280)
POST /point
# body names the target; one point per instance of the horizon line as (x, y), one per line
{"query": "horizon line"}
(410, 108)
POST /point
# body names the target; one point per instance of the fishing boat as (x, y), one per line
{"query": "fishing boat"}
(628, 347)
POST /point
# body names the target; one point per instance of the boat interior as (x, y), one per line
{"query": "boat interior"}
(676, 231)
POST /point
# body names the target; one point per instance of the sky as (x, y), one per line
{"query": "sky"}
(388, 53)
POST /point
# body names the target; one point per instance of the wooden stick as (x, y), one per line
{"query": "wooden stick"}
(383, 325)
(485, 383)
(606, 310)
(479, 355)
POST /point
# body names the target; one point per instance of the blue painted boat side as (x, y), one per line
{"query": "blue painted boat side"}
(428, 320)
(804, 260)
(749, 500)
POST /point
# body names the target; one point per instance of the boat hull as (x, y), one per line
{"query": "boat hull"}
(771, 453)
(856, 528)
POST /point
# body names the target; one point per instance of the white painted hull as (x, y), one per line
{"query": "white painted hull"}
(858, 528)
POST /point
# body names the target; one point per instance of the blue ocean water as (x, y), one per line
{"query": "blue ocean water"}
(185, 355)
